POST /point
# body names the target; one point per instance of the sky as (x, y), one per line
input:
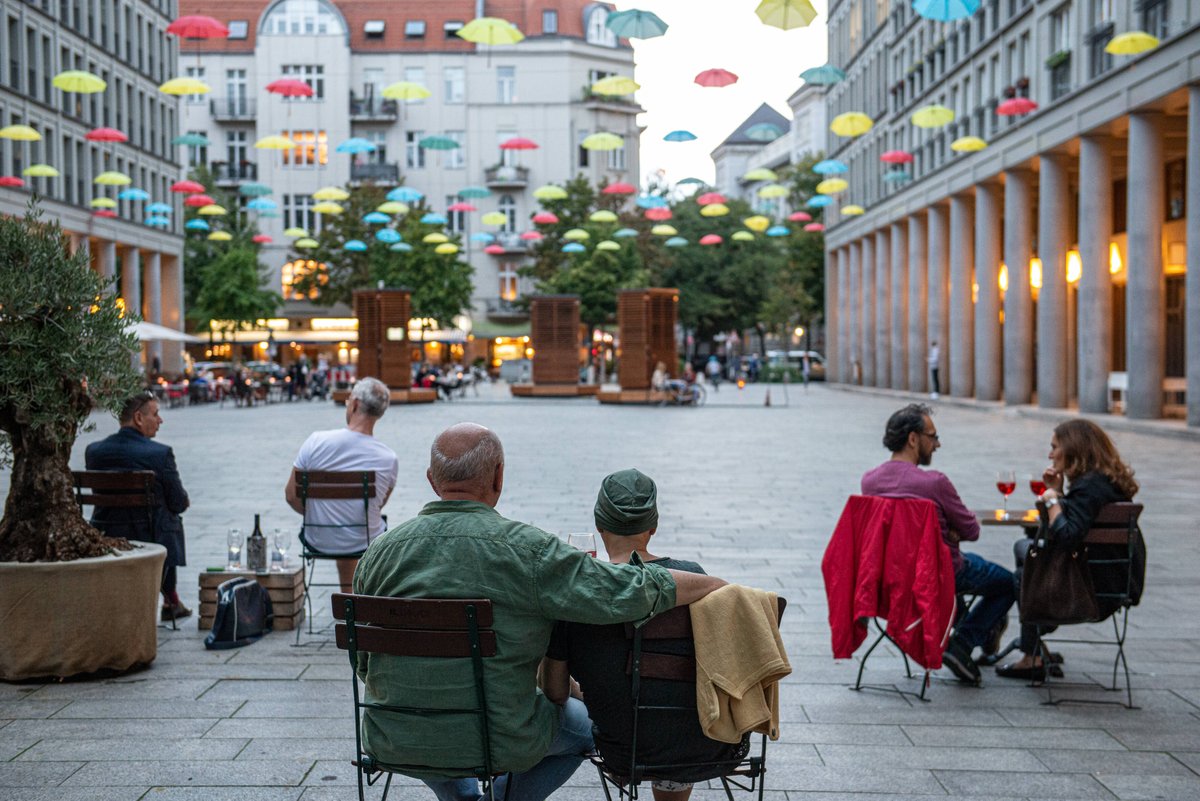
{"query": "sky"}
(704, 34)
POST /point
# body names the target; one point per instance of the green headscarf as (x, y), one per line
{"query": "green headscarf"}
(627, 503)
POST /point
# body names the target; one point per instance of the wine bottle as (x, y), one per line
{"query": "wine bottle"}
(256, 549)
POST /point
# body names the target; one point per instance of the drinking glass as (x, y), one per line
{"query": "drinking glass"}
(1037, 485)
(283, 541)
(1006, 482)
(584, 542)
(234, 543)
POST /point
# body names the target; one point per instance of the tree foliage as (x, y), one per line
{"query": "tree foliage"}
(231, 291)
(199, 252)
(797, 291)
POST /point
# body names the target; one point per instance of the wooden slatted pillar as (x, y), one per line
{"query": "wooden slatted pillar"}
(383, 347)
(554, 329)
(646, 327)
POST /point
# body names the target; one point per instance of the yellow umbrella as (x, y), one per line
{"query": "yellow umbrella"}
(550, 192)
(786, 14)
(20, 133)
(607, 244)
(331, 193)
(967, 144)
(79, 81)
(212, 210)
(295, 232)
(103, 203)
(40, 171)
(220, 236)
(852, 210)
(758, 223)
(852, 123)
(742, 236)
(494, 218)
(615, 85)
(772, 191)
(714, 210)
(1131, 43)
(602, 141)
(446, 249)
(305, 243)
(932, 116)
(831, 186)
(576, 235)
(760, 174)
(327, 207)
(435, 238)
(112, 178)
(275, 142)
(662, 229)
(184, 86)
(405, 90)
(490, 31)
(392, 207)
(603, 216)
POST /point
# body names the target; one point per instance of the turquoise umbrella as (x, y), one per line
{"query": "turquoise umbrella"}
(624, 233)
(376, 218)
(252, 189)
(439, 143)
(819, 201)
(675, 242)
(191, 140)
(405, 194)
(262, 204)
(897, 176)
(484, 237)
(830, 167)
(679, 136)
(573, 247)
(161, 222)
(778, 230)
(387, 236)
(265, 213)
(196, 225)
(696, 181)
(945, 10)
(468, 192)
(433, 218)
(355, 246)
(825, 74)
(355, 145)
(651, 202)
(158, 208)
(401, 247)
(636, 24)
(133, 193)
(764, 132)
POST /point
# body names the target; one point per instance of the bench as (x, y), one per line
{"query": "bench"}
(1174, 389)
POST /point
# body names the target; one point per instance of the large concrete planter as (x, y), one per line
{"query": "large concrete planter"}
(66, 618)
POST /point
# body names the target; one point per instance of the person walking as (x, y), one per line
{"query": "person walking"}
(935, 355)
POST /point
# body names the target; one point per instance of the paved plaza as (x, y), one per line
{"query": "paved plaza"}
(750, 492)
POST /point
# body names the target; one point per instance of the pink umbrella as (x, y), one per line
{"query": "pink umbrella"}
(197, 26)
(711, 239)
(800, 216)
(532, 236)
(896, 157)
(1015, 106)
(11, 180)
(198, 200)
(494, 250)
(261, 239)
(618, 189)
(658, 214)
(545, 218)
(518, 143)
(814, 227)
(109, 213)
(709, 198)
(105, 135)
(187, 187)
(290, 87)
(461, 206)
(716, 78)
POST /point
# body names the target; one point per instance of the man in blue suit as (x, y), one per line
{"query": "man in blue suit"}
(132, 448)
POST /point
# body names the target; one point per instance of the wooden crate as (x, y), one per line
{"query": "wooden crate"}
(646, 328)
(286, 590)
(554, 335)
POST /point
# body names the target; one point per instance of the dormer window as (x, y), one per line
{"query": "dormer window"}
(374, 28)
(596, 26)
(414, 29)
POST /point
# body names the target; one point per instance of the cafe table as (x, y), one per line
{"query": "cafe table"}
(1026, 519)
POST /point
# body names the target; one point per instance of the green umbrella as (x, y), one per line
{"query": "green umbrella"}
(438, 143)
(252, 189)
(191, 140)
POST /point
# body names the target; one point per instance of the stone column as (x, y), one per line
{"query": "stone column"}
(843, 293)
(867, 340)
(938, 290)
(898, 242)
(961, 340)
(1094, 339)
(172, 311)
(1054, 198)
(108, 260)
(987, 301)
(152, 302)
(1018, 304)
(831, 318)
(856, 306)
(131, 282)
(1192, 297)
(918, 367)
(1145, 310)
(883, 311)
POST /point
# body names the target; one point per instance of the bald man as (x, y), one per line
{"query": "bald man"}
(460, 547)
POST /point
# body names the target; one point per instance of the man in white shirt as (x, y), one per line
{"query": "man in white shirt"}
(336, 526)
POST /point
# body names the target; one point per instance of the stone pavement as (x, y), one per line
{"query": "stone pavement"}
(750, 492)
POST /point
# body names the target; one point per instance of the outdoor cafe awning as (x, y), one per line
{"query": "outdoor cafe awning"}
(150, 332)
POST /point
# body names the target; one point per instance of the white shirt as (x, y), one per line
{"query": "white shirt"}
(345, 450)
(934, 355)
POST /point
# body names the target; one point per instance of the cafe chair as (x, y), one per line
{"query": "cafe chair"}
(424, 628)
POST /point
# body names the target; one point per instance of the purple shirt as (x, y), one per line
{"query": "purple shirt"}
(899, 479)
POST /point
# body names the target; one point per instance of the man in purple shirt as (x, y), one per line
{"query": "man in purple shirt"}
(912, 438)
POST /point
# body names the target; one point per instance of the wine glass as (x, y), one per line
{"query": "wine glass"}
(234, 545)
(584, 542)
(1037, 485)
(283, 541)
(1006, 482)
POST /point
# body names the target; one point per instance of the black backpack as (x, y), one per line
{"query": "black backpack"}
(244, 615)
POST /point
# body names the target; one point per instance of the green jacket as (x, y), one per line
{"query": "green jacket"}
(465, 549)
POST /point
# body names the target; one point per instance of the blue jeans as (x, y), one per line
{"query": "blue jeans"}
(994, 588)
(573, 740)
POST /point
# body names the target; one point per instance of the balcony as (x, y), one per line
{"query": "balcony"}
(503, 176)
(226, 174)
(511, 241)
(233, 109)
(388, 173)
(366, 109)
(505, 310)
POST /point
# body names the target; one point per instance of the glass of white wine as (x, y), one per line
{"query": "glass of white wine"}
(234, 542)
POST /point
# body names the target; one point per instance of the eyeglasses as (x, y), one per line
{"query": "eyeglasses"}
(932, 436)
(139, 401)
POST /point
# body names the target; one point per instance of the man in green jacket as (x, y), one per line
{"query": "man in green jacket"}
(460, 547)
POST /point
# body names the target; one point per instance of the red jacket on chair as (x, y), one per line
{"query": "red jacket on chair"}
(886, 559)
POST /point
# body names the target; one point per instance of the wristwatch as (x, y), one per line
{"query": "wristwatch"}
(1052, 502)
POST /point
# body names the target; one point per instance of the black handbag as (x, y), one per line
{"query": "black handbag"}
(1056, 586)
(244, 615)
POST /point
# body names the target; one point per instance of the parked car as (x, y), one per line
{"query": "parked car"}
(794, 359)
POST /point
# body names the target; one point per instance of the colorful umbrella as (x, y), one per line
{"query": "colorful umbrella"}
(446, 249)
(79, 81)
(800, 216)
(607, 244)
(220, 236)
(576, 234)
(897, 176)
(158, 222)
(197, 225)
(185, 86)
(934, 116)
(212, 210)
(261, 239)
(1131, 43)
(392, 207)
(387, 236)
(438, 143)
(187, 187)
(852, 211)
(662, 229)
(306, 243)
(603, 216)
(688, 181)
(295, 232)
(615, 85)
(290, 87)
(405, 194)
(401, 247)
(355, 145)
(619, 188)
(550, 192)
(830, 167)
(545, 218)
(461, 206)
(328, 207)
(708, 198)
(191, 140)
(786, 14)
(573, 247)
(474, 192)
(197, 26)
(773, 191)
(355, 246)
(20, 133)
(818, 201)
(760, 174)
(659, 214)
(274, 142)
(105, 135)
(494, 250)
(490, 31)
(158, 208)
(831, 186)
(1016, 106)
(714, 210)
(636, 24)
(825, 75)
(405, 90)
(711, 239)
(532, 236)
(112, 178)
(268, 214)
(968, 144)
(262, 204)
(108, 213)
(103, 203)
(743, 236)
(716, 78)
(758, 223)
(494, 218)
(679, 136)
(198, 201)
(624, 233)
(484, 237)
(331, 193)
(896, 157)
(814, 227)
(945, 10)
(602, 141)
(764, 132)
(433, 218)
(133, 193)
(676, 242)
(650, 201)
(851, 123)
(254, 189)
(518, 143)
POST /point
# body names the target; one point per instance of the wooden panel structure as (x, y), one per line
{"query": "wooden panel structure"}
(388, 359)
(554, 331)
(286, 589)
(646, 324)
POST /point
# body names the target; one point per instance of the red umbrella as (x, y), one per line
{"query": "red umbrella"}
(519, 143)
(545, 218)
(261, 239)
(196, 26)
(290, 87)
(800, 216)
(105, 135)
(11, 180)
(198, 200)
(187, 187)
(532, 236)
(716, 78)
(658, 214)
(494, 250)
(896, 157)
(709, 198)
(618, 189)
(461, 206)
(1016, 105)
(814, 227)
(109, 213)
(710, 239)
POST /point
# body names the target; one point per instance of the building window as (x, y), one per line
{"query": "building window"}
(415, 75)
(303, 17)
(298, 213)
(596, 26)
(414, 154)
(1099, 61)
(451, 28)
(506, 84)
(455, 159)
(1156, 18)
(456, 221)
(238, 28)
(197, 154)
(549, 21)
(379, 154)
(414, 29)
(508, 281)
(237, 103)
(508, 158)
(455, 81)
(198, 74)
(616, 159)
(1176, 186)
(374, 28)
(508, 207)
(312, 149)
(311, 74)
(584, 155)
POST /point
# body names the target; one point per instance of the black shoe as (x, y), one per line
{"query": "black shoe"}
(957, 657)
(1030, 673)
(995, 639)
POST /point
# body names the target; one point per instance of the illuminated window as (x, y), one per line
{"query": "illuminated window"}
(312, 148)
(294, 272)
(508, 281)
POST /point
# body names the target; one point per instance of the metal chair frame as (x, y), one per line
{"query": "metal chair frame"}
(887, 688)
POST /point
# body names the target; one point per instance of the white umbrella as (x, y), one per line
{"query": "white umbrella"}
(151, 331)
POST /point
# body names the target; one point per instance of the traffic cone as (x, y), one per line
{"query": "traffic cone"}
(767, 402)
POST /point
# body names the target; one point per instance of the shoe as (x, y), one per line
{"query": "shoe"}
(991, 645)
(175, 611)
(1030, 673)
(957, 657)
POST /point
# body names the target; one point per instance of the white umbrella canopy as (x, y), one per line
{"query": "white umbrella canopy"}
(152, 332)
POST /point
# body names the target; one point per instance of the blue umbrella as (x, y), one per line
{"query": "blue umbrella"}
(573, 247)
(376, 218)
(158, 221)
(778, 230)
(474, 192)
(355, 145)
(897, 176)
(387, 236)
(192, 140)
(433, 218)
(159, 208)
(675, 242)
(651, 202)
(764, 132)
(945, 10)
(196, 225)
(679, 136)
(636, 24)
(133, 193)
(405, 194)
(830, 167)
(484, 237)
(355, 245)
(819, 201)
(825, 74)
(624, 233)
(253, 189)
(401, 247)
(262, 204)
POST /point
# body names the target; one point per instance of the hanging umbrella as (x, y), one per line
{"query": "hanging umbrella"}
(197, 26)
(607, 244)
(743, 236)
(405, 90)
(401, 247)
(355, 246)
(711, 239)
(494, 250)
(945, 10)
(405, 194)
(615, 85)
(896, 157)
(708, 198)
(764, 132)
(576, 235)
(262, 204)
(387, 236)
(158, 208)
(851, 123)
(306, 243)
(650, 201)
(212, 210)
(625, 233)
(688, 181)
(675, 242)
(545, 218)
(714, 210)
(786, 14)
(550, 192)
(461, 206)
(532, 236)
(105, 135)
(435, 238)
(107, 213)
(79, 81)
(897, 176)
(662, 229)
(376, 218)
(253, 189)
(573, 247)
(490, 31)
(518, 143)
(102, 203)
(659, 214)
(830, 167)
(331, 193)
(602, 141)
(716, 78)
(636, 24)
(20, 133)
(474, 192)
(760, 174)
(185, 86)
(484, 237)
(1131, 43)
(814, 227)
(220, 236)
(198, 201)
(603, 216)
(196, 225)
(433, 218)
(112, 178)
(191, 140)
(438, 143)
(800, 216)
(825, 75)
(831, 186)
(328, 207)
(771, 191)
(290, 87)
(274, 142)
(158, 222)
(355, 145)
(619, 188)
(934, 116)
(261, 239)
(1015, 106)
(187, 187)
(133, 193)
(268, 214)
(392, 207)
(852, 211)
(968, 144)
(758, 223)
(818, 201)
(679, 136)
(295, 232)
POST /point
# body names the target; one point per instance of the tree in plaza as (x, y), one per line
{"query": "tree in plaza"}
(231, 296)
(796, 293)
(65, 350)
(198, 250)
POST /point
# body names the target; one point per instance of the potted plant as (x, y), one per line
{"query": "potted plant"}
(1010, 91)
(65, 349)
(1058, 59)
